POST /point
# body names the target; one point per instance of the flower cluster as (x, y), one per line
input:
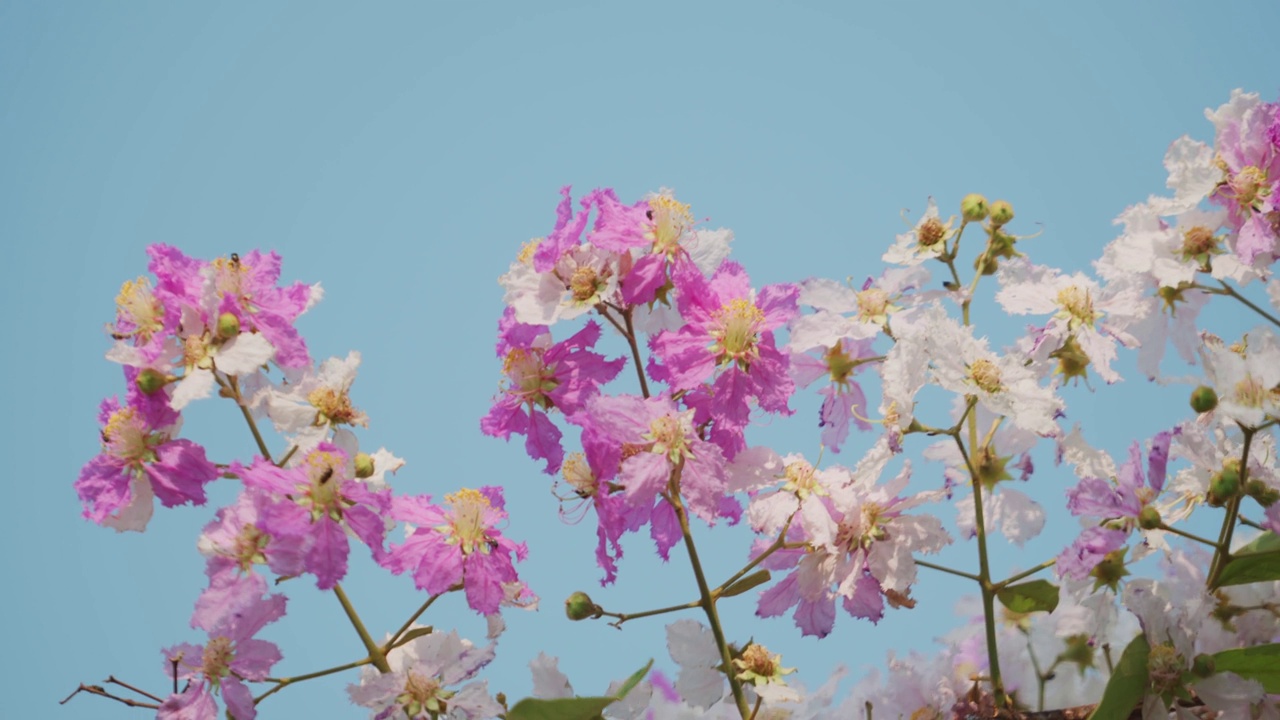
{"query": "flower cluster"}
(710, 354)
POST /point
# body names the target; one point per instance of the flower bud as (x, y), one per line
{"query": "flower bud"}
(974, 208)
(986, 264)
(1149, 518)
(1203, 666)
(1203, 399)
(1224, 485)
(1262, 492)
(1001, 212)
(364, 465)
(228, 325)
(580, 607)
(150, 381)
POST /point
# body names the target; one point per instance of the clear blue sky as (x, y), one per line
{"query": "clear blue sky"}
(400, 153)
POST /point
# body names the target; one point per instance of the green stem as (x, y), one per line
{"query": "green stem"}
(1024, 574)
(1231, 292)
(624, 617)
(984, 569)
(708, 601)
(232, 386)
(945, 569)
(1223, 554)
(282, 683)
(777, 545)
(1189, 536)
(407, 623)
(376, 656)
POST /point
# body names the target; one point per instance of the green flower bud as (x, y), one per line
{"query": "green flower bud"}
(1149, 518)
(364, 465)
(150, 381)
(1001, 212)
(1262, 492)
(1203, 399)
(580, 607)
(974, 208)
(987, 264)
(1225, 484)
(228, 325)
(1203, 666)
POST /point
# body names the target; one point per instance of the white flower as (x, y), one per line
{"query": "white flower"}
(1078, 305)
(925, 241)
(1245, 377)
(962, 364)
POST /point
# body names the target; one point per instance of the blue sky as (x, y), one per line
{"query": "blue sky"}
(400, 154)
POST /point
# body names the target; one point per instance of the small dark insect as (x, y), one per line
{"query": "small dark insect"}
(324, 477)
(235, 259)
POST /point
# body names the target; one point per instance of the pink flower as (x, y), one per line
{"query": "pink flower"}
(233, 540)
(585, 474)
(659, 451)
(860, 541)
(1250, 160)
(421, 673)
(316, 502)
(461, 544)
(140, 461)
(544, 376)
(845, 401)
(231, 656)
(728, 333)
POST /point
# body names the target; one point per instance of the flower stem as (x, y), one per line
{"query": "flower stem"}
(232, 386)
(777, 545)
(624, 617)
(376, 656)
(635, 351)
(984, 568)
(405, 627)
(708, 601)
(1188, 535)
(945, 569)
(282, 683)
(1231, 292)
(1024, 574)
(1223, 554)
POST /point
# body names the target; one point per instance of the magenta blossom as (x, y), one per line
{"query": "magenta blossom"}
(584, 473)
(460, 545)
(246, 287)
(1119, 506)
(658, 451)
(234, 541)
(315, 503)
(231, 656)
(1250, 188)
(728, 335)
(139, 462)
(544, 376)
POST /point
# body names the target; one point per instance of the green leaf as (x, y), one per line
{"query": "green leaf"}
(577, 708)
(414, 634)
(1128, 684)
(1261, 663)
(1258, 561)
(634, 680)
(1034, 596)
(756, 578)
